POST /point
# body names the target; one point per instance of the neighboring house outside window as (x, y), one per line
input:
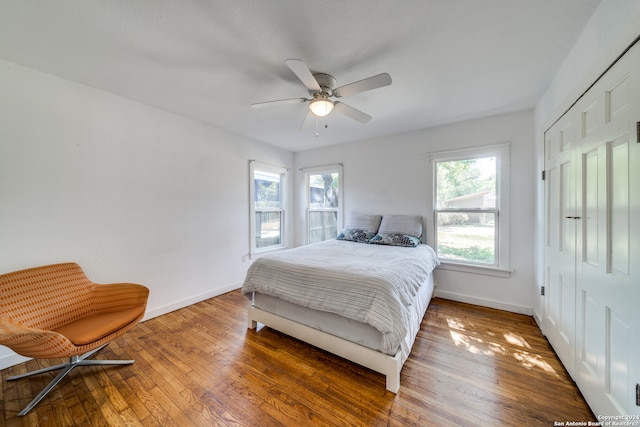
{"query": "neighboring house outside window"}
(471, 199)
(324, 200)
(267, 193)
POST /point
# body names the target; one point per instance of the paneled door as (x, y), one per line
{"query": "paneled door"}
(607, 220)
(560, 251)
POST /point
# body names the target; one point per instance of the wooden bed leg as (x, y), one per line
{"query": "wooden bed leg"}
(392, 374)
(393, 382)
(251, 324)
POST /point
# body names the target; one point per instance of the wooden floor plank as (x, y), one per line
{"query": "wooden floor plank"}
(201, 366)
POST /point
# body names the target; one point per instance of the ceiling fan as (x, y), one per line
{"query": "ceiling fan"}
(322, 88)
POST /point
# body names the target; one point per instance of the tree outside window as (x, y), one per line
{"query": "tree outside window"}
(268, 212)
(323, 204)
(466, 214)
(267, 192)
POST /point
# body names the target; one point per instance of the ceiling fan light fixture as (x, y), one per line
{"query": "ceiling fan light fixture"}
(321, 105)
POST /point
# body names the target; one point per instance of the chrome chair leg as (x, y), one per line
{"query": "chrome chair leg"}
(39, 371)
(74, 361)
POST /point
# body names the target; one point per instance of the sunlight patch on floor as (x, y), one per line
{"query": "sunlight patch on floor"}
(530, 361)
(516, 340)
(477, 345)
(455, 324)
(515, 345)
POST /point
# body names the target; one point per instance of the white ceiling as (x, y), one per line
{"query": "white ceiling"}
(450, 60)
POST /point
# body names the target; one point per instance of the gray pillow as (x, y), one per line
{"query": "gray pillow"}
(365, 222)
(411, 225)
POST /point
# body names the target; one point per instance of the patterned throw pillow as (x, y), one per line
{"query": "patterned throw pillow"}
(360, 236)
(394, 239)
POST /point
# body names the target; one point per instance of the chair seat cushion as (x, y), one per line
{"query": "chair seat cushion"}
(95, 326)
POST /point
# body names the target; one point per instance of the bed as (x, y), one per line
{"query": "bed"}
(361, 296)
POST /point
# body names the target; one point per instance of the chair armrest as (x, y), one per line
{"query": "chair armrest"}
(32, 342)
(9, 328)
(119, 296)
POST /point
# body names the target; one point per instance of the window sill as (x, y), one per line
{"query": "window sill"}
(475, 269)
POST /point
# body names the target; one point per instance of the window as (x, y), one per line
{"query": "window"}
(267, 212)
(471, 206)
(324, 190)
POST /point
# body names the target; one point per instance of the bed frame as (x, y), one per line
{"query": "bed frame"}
(390, 366)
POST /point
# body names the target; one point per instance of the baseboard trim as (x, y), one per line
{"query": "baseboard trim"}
(484, 302)
(12, 358)
(538, 319)
(159, 311)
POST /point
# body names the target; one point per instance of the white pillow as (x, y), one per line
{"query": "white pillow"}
(411, 225)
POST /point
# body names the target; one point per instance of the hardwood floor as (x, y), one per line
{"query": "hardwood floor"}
(201, 366)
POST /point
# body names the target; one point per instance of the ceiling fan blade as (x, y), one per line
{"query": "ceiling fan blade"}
(279, 101)
(369, 83)
(309, 120)
(349, 111)
(301, 70)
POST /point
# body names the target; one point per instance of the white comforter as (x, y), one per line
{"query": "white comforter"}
(373, 284)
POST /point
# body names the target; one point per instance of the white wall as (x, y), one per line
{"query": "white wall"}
(137, 194)
(129, 192)
(614, 25)
(390, 175)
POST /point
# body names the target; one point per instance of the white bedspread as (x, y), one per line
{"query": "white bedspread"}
(373, 284)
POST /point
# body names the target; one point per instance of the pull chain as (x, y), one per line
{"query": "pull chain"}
(326, 125)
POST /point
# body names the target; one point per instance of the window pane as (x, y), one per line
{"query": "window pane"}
(323, 190)
(266, 190)
(469, 184)
(323, 225)
(465, 236)
(268, 228)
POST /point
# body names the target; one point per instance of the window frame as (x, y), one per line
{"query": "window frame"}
(501, 152)
(275, 170)
(318, 171)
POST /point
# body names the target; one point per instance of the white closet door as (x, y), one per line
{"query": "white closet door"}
(560, 251)
(607, 256)
(634, 235)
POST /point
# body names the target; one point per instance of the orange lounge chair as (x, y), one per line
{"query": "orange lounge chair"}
(56, 311)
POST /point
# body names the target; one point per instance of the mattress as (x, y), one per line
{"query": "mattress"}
(349, 329)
